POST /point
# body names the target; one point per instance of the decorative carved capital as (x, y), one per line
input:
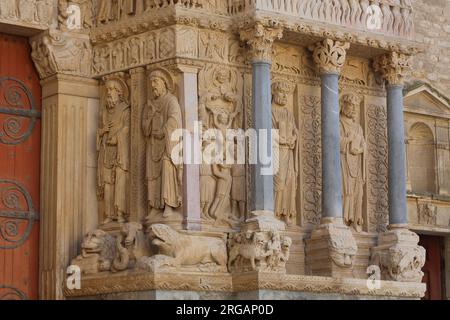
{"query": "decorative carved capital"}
(260, 40)
(329, 55)
(393, 67)
(56, 52)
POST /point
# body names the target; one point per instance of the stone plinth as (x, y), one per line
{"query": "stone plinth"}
(251, 285)
(331, 251)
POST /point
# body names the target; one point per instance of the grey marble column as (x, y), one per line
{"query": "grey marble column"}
(392, 67)
(262, 119)
(259, 39)
(329, 56)
(331, 156)
(396, 142)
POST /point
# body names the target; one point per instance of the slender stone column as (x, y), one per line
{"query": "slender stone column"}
(260, 40)
(392, 67)
(399, 246)
(329, 57)
(331, 249)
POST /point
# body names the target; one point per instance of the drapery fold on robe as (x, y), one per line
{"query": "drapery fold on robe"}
(161, 118)
(352, 147)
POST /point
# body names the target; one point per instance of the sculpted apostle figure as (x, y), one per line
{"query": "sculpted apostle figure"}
(161, 117)
(285, 180)
(113, 141)
(353, 148)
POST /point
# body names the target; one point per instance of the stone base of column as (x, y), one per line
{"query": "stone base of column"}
(331, 250)
(259, 246)
(399, 256)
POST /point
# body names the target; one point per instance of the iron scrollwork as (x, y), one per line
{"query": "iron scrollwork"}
(17, 214)
(11, 293)
(18, 113)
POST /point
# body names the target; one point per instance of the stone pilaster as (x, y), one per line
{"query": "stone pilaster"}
(138, 196)
(68, 175)
(332, 247)
(70, 101)
(398, 254)
(260, 40)
(188, 95)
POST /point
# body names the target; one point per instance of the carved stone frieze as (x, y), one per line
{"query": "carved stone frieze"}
(35, 13)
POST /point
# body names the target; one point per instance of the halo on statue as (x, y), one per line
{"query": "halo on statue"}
(165, 76)
(119, 79)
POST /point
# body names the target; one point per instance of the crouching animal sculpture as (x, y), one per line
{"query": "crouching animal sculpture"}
(97, 252)
(178, 249)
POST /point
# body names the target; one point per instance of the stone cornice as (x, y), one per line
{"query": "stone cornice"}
(226, 282)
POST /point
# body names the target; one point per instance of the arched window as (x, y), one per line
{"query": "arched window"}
(422, 159)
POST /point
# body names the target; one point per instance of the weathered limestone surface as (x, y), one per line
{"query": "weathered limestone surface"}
(432, 26)
(328, 75)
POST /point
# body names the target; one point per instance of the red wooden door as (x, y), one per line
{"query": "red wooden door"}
(20, 105)
(432, 268)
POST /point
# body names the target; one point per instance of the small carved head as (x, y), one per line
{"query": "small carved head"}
(114, 92)
(94, 241)
(160, 82)
(280, 92)
(222, 75)
(349, 105)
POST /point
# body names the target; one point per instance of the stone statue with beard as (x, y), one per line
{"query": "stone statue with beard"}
(113, 141)
(161, 117)
(353, 150)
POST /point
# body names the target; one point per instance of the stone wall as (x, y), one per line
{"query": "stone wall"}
(432, 24)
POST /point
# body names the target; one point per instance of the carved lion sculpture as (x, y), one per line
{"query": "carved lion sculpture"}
(97, 252)
(254, 250)
(187, 249)
(131, 245)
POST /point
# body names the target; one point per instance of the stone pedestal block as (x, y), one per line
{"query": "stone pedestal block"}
(399, 256)
(331, 251)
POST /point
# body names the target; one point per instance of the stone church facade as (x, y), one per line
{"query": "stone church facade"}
(357, 90)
